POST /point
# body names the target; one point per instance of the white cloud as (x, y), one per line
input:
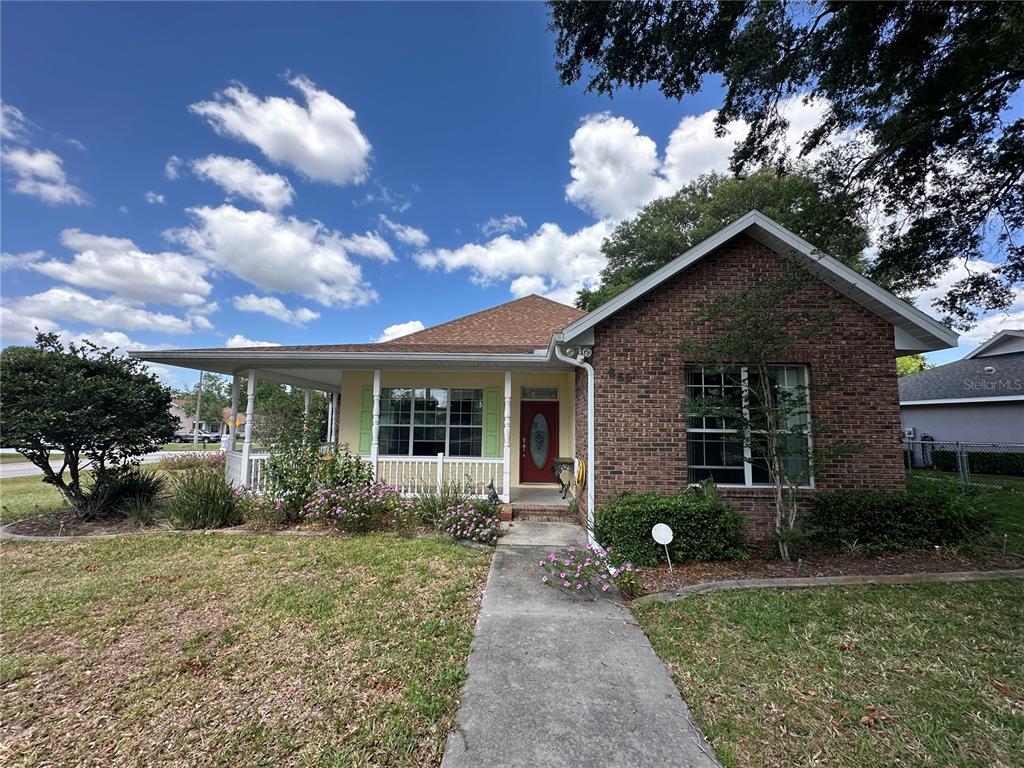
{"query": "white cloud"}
(116, 264)
(524, 285)
(405, 233)
(14, 126)
(19, 260)
(614, 168)
(154, 198)
(238, 340)
(277, 254)
(172, 168)
(502, 225)
(694, 149)
(369, 244)
(321, 140)
(400, 329)
(567, 261)
(62, 304)
(243, 177)
(123, 208)
(40, 173)
(273, 307)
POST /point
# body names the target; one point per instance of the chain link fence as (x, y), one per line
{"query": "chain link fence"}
(984, 466)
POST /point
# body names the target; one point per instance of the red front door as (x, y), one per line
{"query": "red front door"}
(538, 441)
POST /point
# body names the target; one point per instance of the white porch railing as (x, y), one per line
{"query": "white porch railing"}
(415, 475)
(412, 476)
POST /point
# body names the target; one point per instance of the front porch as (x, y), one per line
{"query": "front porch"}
(421, 429)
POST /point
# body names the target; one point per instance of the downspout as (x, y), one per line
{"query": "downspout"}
(580, 362)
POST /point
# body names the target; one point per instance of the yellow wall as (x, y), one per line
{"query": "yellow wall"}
(352, 384)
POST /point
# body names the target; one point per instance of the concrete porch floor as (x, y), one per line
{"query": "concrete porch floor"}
(537, 496)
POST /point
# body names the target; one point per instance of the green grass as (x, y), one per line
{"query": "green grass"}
(24, 497)
(220, 650)
(17, 458)
(924, 675)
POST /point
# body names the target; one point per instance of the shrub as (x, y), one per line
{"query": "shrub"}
(432, 505)
(587, 571)
(203, 499)
(175, 462)
(342, 467)
(142, 511)
(703, 527)
(113, 491)
(982, 462)
(291, 475)
(353, 508)
(259, 510)
(477, 520)
(884, 520)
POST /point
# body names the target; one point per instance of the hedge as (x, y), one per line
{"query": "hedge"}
(703, 527)
(889, 520)
(983, 462)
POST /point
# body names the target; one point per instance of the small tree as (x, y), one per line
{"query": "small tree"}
(100, 410)
(758, 329)
(216, 397)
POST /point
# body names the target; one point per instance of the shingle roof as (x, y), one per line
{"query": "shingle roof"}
(518, 326)
(966, 379)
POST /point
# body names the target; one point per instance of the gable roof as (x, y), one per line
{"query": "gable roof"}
(1007, 340)
(915, 331)
(973, 379)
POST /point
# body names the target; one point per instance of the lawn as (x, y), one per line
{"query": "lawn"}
(17, 458)
(925, 675)
(216, 650)
(22, 497)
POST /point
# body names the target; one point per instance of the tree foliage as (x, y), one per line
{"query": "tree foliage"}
(910, 364)
(918, 111)
(216, 396)
(668, 227)
(100, 410)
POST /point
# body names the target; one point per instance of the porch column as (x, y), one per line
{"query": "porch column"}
(250, 407)
(236, 382)
(374, 442)
(506, 483)
(336, 424)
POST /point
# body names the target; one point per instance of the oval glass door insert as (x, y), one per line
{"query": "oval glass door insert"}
(540, 437)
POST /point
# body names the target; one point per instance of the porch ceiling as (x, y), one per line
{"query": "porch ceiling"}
(318, 370)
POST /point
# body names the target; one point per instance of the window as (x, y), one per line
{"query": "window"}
(428, 421)
(714, 439)
(539, 393)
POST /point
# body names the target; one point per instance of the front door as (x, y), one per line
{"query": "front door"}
(538, 440)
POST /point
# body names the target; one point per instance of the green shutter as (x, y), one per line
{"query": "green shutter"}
(366, 421)
(492, 445)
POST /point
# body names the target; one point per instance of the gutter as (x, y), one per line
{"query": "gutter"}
(580, 362)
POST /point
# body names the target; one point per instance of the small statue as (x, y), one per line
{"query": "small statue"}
(492, 493)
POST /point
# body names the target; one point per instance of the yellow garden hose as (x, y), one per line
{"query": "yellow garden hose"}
(581, 473)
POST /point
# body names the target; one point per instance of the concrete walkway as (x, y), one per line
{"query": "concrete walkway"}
(558, 681)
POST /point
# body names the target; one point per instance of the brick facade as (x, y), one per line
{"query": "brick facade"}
(640, 436)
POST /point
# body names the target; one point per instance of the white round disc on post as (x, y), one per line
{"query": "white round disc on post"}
(662, 534)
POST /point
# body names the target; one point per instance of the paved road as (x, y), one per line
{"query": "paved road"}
(27, 469)
(555, 681)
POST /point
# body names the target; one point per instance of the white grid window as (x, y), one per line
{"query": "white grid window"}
(715, 446)
(427, 421)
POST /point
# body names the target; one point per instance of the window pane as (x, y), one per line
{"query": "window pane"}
(431, 406)
(465, 441)
(395, 405)
(467, 408)
(394, 441)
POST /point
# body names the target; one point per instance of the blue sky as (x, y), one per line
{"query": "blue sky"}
(182, 175)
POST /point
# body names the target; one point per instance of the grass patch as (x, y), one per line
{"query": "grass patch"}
(219, 650)
(24, 497)
(17, 458)
(923, 675)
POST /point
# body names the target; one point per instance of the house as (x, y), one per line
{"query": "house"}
(500, 394)
(979, 399)
(184, 419)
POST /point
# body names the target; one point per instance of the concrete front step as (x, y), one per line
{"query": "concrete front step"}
(543, 513)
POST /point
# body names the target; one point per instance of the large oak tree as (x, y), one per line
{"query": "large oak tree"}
(920, 113)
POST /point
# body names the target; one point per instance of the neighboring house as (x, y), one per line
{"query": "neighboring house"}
(979, 399)
(503, 392)
(185, 420)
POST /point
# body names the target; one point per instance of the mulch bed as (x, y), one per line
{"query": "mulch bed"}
(660, 579)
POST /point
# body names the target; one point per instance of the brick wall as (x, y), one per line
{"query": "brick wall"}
(640, 428)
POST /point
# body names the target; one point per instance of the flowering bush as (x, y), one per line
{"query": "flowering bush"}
(353, 508)
(261, 511)
(471, 520)
(213, 461)
(587, 571)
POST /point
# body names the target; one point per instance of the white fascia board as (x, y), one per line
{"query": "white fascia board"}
(995, 339)
(931, 334)
(962, 400)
